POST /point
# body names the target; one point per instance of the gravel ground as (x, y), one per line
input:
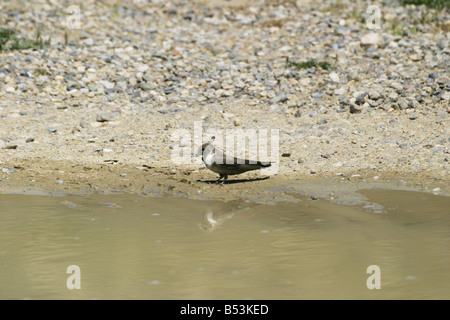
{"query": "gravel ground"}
(371, 104)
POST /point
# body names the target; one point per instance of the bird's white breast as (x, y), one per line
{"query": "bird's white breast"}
(209, 160)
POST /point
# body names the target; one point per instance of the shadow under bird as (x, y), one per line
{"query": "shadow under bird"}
(216, 160)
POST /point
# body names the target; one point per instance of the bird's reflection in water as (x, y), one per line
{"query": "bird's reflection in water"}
(215, 216)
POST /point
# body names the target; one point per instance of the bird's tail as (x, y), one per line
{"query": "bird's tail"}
(264, 164)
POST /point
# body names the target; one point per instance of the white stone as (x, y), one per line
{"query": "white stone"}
(143, 68)
(370, 39)
(334, 77)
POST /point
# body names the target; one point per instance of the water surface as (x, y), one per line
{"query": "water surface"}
(132, 247)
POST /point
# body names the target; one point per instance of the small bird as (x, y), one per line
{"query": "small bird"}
(216, 160)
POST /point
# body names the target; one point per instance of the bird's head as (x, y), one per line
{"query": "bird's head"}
(205, 149)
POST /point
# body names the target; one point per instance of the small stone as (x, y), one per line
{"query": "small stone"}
(397, 86)
(301, 161)
(354, 108)
(29, 140)
(415, 57)
(433, 75)
(341, 91)
(83, 124)
(59, 181)
(436, 190)
(360, 99)
(334, 77)
(103, 117)
(312, 171)
(343, 100)
(393, 96)
(146, 86)
(403, 103)
(298, 114)
(279, 98)
(374, 95)
(412, 116)
(370, 39)
(51, 130)
(136, 94)
(285, 155)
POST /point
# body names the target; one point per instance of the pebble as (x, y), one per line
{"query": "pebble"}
(334, 77)
(83, 124)
(436, 190)
(103, 117)
(355, 108)
(370, 39)
(412, 116)
(374, 95)
(403, 104)
(393, 96)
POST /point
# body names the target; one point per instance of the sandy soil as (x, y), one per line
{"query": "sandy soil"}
(63, 131)
(62, 177)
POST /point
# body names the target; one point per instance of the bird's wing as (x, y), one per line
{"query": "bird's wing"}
(221, 159)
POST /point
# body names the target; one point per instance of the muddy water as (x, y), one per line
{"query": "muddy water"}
(128, 246)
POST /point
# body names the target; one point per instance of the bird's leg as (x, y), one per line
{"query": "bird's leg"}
(225, 177)
(221, 176)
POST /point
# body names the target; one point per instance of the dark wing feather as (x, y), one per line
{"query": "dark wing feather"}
(220, 160)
